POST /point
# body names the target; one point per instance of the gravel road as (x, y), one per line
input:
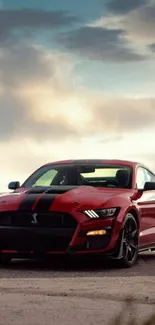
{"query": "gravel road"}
(39, 293)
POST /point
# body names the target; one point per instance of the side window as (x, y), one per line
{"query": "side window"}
(152, 178)
(46, 179)
(143, 176)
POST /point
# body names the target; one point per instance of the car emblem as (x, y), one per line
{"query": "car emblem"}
(34, 218)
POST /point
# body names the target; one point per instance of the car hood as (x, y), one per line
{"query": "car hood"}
(59, 198)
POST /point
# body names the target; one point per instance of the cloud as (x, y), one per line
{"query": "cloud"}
(17, 120)
(38, 97)
(124, 115)
(46, 115)
(97, 43)
(141, 23)
(135, 17)
(32, 88)
(41, 101)
(124, 6)
(24, 64)
(11, 20)
(152, 47)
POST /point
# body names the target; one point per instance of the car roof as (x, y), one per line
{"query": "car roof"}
(94, 161)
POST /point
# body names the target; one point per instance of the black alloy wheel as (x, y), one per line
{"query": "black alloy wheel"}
(129, 242)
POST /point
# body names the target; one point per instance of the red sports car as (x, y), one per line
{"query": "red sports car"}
(101, 207)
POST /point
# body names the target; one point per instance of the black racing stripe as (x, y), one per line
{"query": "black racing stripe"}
(28, 202)
(45, 202)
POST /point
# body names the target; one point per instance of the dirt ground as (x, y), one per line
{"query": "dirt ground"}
(39, 293)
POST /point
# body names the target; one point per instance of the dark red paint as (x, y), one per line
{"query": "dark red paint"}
(142, 204)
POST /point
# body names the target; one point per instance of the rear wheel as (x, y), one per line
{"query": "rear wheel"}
(4, 260)
(129, 242)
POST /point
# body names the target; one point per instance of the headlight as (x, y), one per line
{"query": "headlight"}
(102, 213)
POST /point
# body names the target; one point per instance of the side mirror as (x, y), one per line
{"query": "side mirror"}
(13, 185)
(149, 186)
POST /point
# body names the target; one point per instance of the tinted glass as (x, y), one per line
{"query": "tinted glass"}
(143, 176)
(97, 175)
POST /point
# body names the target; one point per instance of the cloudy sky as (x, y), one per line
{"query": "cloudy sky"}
(77, 80)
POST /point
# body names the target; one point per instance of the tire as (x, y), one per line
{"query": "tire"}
(129, 242)
(4, 260)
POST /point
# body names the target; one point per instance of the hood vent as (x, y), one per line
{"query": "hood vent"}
(51, 190)
(60, 189)
(37, 190)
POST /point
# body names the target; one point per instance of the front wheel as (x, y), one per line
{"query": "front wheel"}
(129, 242)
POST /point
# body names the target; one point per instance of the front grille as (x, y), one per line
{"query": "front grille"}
(28, 241)
(50, 219)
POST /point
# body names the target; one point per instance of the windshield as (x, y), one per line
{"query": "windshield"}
(69, 175)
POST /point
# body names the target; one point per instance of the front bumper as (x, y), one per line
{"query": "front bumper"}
(58, 238)
(31, 239)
